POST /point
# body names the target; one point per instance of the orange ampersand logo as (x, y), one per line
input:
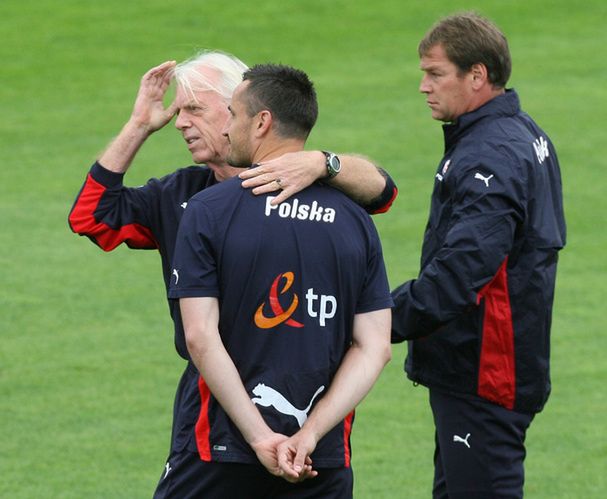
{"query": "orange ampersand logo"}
(280, 315)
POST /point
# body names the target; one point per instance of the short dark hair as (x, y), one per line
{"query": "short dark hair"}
(470, 39)
(287, 93)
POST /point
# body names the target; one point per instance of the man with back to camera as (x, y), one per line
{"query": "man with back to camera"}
(147, 217)
(478, 316)
(285, 309)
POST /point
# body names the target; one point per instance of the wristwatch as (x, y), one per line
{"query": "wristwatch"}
(333, 164)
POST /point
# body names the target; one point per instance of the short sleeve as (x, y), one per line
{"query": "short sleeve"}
(375, 294)
(194, 272)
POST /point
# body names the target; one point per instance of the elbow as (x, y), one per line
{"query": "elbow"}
(193, 343)
(386, 354)
(384, 201)
(382, 354)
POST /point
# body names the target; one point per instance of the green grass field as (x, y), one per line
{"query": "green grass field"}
(87, 364)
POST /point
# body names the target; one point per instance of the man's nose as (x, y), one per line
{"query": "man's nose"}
(182, 122)
(226, 128)
(424, 85)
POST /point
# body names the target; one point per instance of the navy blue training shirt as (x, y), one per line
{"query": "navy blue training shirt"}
(289, 280)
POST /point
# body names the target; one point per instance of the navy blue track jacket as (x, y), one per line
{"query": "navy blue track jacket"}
(145, 217)
(479, 313)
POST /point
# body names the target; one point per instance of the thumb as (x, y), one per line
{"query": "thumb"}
(299, 461)
(171, 110)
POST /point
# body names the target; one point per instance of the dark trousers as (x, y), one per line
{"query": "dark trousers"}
(186, 476)
(480, 448)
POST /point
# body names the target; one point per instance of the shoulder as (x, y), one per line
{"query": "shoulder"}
(183, 183)
(193, 173)
(502, 145)
(220, 195)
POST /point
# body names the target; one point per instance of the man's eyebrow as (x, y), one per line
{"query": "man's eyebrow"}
(430, 67)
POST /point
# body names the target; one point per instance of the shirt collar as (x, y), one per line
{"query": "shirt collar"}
(506, 104)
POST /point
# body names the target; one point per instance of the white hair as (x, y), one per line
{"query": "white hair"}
(228, 69)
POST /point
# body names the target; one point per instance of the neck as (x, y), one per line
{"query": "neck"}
(223, 171)
(276, 148)
(490, 93)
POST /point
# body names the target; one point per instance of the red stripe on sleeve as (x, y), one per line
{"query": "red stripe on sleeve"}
(386, 206)
(496, 375)
(203, 427)
(347, 431)
(82, 221)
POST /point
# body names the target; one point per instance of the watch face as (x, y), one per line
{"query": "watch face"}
(334, 163)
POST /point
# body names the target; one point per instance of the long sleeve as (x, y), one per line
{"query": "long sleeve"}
(476, 239)
(110, 214)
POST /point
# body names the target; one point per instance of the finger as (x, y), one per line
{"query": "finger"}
(163, 75)
(257, 170)
(285, 465)
(253, 172)
(307, 473)
(172, 109)
(299, 461)
(273, 186)
(158, 70)
(289, 474)
(283, 196)
(257, 181)
(164, 67)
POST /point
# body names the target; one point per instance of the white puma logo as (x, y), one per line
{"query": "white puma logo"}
(168, 468)
(484, 179)
(176, 274)
(266, 396)
(464, 441)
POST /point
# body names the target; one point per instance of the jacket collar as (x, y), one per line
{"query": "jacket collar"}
(506, 104)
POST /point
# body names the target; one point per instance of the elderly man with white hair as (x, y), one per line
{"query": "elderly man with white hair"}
(147, 217)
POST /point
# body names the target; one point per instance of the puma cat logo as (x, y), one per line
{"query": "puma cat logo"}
(484, 179)
(457, 438)
(267, 396)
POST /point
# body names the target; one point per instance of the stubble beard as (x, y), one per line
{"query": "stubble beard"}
(238, 160)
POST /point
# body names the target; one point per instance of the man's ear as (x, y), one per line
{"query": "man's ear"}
(479, 75)
(263, 122)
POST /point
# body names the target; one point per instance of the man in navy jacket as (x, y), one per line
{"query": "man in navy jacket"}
(478, 315)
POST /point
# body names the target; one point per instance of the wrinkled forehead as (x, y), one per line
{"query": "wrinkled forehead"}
(434, 58)
(199, 83)
(185, 96)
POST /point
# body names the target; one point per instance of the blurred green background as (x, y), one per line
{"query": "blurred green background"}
(87, 365)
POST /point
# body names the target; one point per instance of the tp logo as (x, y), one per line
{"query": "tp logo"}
(280, 315)
(319, 306)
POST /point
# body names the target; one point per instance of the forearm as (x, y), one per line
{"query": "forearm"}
(410, 318)
(222, 378)
(448, 285)
(121, 151)
(359, 178)
(355, 377)
(358, 371)
(219, 372)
